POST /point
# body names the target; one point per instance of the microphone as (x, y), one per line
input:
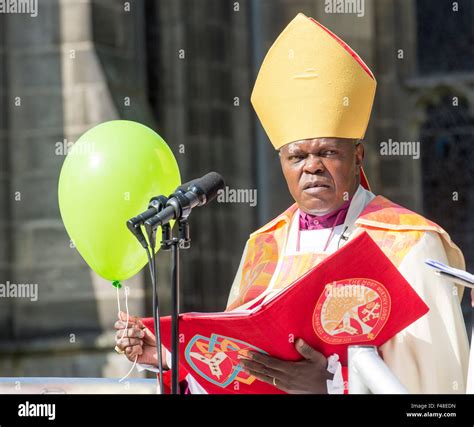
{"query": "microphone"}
(155, 205)
(199, 192)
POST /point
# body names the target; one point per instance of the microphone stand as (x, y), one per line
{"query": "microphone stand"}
(179, 205)
(174, 244)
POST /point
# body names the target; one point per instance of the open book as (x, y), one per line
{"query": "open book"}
(354, 296)
(458, 276)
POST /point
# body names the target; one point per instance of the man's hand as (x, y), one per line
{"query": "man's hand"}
(137, 340)
(306, 376)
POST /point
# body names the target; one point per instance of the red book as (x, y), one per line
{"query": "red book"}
(354, 296)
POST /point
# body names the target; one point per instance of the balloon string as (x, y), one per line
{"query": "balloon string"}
(125, 330)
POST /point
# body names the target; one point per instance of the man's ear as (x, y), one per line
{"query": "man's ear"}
(359, 153)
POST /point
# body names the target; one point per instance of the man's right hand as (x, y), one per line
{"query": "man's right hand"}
(137, 340)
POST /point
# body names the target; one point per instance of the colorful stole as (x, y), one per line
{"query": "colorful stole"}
(395, 230)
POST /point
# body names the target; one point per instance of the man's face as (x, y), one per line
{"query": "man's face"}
(321, 173)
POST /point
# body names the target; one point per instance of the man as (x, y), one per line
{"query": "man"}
(314, 96)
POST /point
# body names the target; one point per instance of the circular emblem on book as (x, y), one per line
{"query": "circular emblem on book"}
(351, 310)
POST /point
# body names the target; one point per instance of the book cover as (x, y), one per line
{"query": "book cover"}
(354, 296)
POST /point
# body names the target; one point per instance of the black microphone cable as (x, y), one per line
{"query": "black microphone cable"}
(156, 310)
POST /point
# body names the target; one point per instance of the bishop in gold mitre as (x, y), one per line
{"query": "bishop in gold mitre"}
(314, 96)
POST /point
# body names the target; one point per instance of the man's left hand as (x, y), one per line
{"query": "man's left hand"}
(305, 376)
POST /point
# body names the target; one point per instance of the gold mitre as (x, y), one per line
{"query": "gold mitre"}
(312, 85)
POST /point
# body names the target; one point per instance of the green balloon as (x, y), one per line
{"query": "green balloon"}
(108, 177)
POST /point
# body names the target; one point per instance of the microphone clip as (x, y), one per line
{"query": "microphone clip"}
(183, 240)
(183, 233)
(134, 224)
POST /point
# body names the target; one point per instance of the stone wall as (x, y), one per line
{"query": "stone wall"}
(5, 238)
(57, 89)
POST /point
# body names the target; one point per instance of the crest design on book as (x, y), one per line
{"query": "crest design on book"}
(215, 359)
(351, 310)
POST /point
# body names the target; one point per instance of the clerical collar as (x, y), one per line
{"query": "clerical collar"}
(318, 222)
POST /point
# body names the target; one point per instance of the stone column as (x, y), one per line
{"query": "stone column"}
(5, 237)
